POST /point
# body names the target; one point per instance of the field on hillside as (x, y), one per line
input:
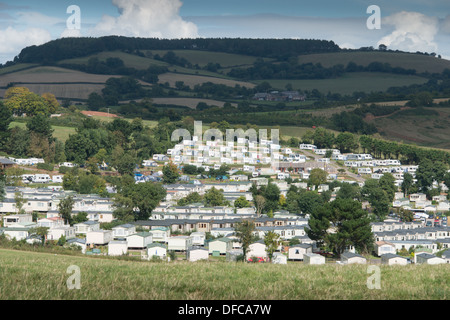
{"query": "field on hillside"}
(410, 126)
(63, 83)
(188, 102)
(192, 80)
(42, 276)
(202, 58)
(350, 82)
(60, 133)
(17, 67)
(421, 63)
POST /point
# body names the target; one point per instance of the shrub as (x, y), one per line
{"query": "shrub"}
(45, 166)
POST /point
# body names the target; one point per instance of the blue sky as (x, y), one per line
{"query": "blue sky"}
(410, 25)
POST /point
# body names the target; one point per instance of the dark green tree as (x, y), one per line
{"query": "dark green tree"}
(244, 232)
(340, 224)
(65, 208)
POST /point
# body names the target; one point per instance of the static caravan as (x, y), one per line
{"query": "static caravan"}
(123, 230)
(426, 258)
(179, 243)
(296, 252)
(351, 258)
(198, 238)
(313, 258)
(57, 232)
(156, 249)
(220, 246)
(41, 178)
(307, 147)
(117, 248)
(139, 240)
(99, 237)
(57, 179)
(364, 170)
(279, 258)
(196, 253)
(257, 249)
(393, 259)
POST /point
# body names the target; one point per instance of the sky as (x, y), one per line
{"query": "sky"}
(408, 25)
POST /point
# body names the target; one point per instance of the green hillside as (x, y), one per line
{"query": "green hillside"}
(351, 82)
(420, 62)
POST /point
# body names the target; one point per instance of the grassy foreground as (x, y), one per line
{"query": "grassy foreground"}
(30, 275)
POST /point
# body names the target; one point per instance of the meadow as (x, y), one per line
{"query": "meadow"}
(43, 276)
(420, 63)
(349, 83)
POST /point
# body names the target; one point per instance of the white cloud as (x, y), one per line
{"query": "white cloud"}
(445, 25)
(147, 18)
(13, 41)
(413, 31)
(71, 33)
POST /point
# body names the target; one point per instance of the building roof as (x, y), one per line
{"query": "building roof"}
(349, 255)
(141, 234)
(301, 245)
(391, 255)
(156, 244)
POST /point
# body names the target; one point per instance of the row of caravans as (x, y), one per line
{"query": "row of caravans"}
(41, 178)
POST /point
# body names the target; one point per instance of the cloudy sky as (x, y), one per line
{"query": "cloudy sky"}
(409, 25)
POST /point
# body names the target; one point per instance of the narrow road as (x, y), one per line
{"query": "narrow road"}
(334, 165)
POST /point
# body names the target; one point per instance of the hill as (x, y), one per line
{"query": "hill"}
(44, 277)
(189, 77)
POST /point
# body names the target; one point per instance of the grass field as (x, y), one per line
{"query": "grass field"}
(350, 82)
(202, 58)
(421, 63)
(15, 68)
(192, 80)
(43, 276)
(63, 83)
(424, 130)
(60, 133)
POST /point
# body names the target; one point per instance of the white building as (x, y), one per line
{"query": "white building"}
(117, 248)
(179, 243)
(99, 237)
(313, 258)
(297, 251)
(156, 249)
(139, 240)
(196, 253)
